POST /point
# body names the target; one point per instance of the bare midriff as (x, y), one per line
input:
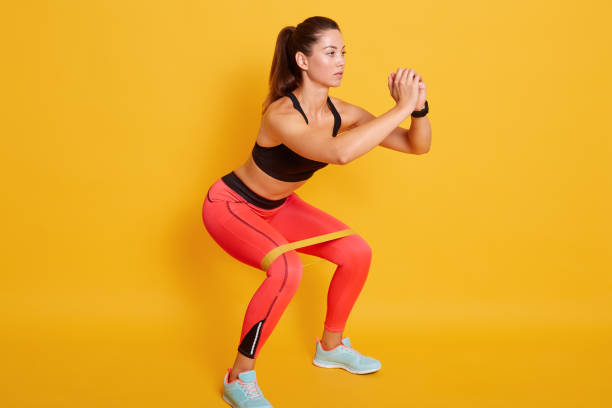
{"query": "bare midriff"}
(263, 184)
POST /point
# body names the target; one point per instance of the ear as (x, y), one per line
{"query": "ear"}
(301, 60)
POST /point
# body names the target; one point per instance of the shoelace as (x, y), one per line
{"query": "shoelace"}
(355, 351)
(251, 390)
(348, 349)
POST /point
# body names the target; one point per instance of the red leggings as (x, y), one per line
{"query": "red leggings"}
(248, 232)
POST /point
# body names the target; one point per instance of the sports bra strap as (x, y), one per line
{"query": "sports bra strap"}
(296, 104)
(337, 118)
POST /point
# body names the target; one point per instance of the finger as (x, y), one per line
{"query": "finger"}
(398, 77)
(402, 75)
(411, 74)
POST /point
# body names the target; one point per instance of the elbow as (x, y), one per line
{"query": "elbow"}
(420, 149)
(342, 160)
(342, 157)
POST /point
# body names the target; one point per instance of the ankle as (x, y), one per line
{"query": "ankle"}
(234, 372)
(330, 340)
(329, 346)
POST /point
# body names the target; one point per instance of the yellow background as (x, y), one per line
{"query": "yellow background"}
(491, 277)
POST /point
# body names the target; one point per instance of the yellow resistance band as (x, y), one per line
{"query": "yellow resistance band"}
(278, 251)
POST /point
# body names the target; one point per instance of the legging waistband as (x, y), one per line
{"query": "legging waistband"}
(233, 182)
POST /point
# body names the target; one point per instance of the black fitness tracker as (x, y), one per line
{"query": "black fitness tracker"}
(422, 112)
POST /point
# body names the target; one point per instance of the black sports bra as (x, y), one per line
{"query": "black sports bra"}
(283, 163)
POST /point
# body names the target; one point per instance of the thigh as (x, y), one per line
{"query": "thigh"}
(299, 220)
(241, 232)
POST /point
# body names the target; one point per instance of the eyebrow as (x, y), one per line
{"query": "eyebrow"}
(333, 46)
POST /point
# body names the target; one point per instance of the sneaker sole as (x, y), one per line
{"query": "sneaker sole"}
(328, 365)
(228, 401)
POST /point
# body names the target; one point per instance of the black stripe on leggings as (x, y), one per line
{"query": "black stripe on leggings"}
(249, 335)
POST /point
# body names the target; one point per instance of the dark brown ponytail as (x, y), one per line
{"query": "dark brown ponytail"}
(285, 74)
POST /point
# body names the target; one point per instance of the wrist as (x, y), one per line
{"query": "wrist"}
(419, 113)
(403, 109)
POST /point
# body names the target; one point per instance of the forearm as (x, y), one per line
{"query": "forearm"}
(360, 140)
(419, 134)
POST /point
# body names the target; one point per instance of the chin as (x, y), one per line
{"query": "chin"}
(330, 85)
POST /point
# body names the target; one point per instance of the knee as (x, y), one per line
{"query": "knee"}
(287, 271)
(356, 252)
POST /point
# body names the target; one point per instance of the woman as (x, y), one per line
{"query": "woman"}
(254, 214)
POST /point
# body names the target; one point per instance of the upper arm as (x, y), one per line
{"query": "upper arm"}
(292, 131)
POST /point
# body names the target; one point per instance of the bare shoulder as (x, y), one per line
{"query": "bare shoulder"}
(282, 118)
(352, 115)
(279, 107)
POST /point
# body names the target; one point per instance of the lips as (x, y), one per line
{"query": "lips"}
(339, 73)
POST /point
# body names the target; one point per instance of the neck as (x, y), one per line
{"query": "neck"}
(313, 101)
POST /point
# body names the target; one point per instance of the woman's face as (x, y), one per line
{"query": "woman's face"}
(326, 62)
